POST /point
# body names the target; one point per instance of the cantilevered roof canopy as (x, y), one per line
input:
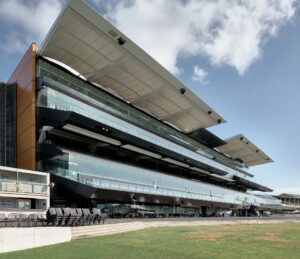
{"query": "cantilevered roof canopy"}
(239, 147)
(85, 41)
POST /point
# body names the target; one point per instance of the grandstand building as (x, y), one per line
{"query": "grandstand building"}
(111, 125)
(291, 201)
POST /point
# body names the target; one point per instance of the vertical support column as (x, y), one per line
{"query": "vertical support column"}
(204, 211)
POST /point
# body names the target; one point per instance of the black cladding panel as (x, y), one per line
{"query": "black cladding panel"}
(8, 117)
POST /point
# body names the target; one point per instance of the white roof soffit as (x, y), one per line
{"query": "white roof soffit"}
(85, 41)
(91, 134)
(241, 147)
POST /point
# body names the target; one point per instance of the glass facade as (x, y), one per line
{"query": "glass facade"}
(62, 91)
(8, 125)
(80, 89)
(106, 174)
(54, 99)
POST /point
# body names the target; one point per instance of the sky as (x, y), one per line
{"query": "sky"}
(241, 57)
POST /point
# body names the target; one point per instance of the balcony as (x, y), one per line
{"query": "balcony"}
(20, 187)
(23, 189)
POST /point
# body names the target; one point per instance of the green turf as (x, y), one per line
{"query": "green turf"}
(240, 241)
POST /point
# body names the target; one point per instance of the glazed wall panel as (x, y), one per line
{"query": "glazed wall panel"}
(8, 125)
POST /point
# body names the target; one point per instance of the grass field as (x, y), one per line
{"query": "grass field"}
(239, 241)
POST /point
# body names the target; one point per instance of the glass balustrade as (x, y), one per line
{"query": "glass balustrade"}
(106, 174)
(54, 99)
(11, 186)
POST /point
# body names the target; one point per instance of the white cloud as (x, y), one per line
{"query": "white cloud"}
(200, 75)
(227, 32)
(26, 22)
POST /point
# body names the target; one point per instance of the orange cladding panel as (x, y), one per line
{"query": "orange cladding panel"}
(24, 76)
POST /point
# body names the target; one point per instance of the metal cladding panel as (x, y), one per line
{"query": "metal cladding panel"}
(85, 41)
(24, 77)
(239, 147)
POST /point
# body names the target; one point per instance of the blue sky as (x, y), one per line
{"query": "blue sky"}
(241, 58)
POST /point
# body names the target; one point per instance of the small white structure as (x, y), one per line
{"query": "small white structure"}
(23, 190)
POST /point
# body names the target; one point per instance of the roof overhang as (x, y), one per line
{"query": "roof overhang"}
(89, 44)
(288, 196)
(239, 147)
